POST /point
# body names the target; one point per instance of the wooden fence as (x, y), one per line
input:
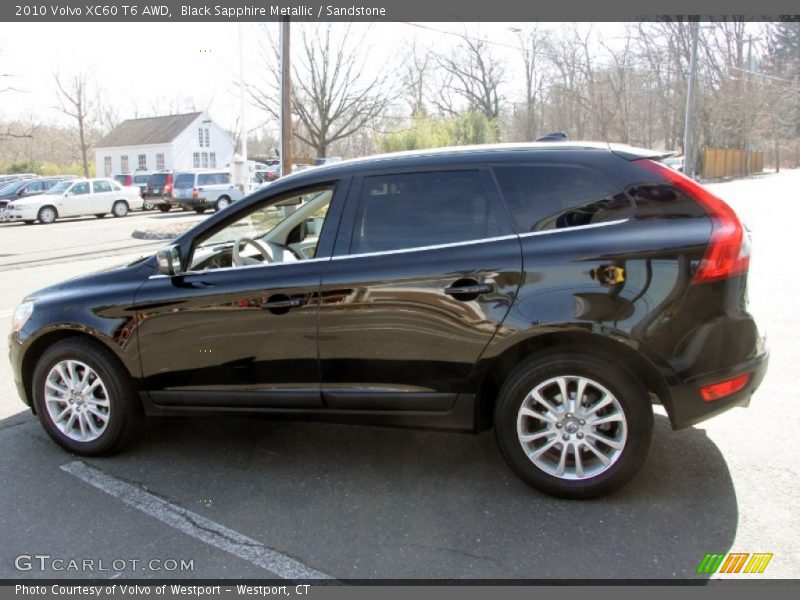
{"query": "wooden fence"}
(728, 162)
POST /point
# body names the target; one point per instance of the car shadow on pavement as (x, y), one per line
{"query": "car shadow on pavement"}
(370, 502)
(359, 501)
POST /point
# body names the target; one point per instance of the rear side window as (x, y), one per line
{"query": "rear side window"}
(546, 197)
(213, 178)
(411, 210)
(184, 180)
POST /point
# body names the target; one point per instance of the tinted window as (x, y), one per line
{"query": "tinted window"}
(557, 196)
(101, 186)
(140, 179)
(36, 186)
(421, 209)
(662, 200)
(158, 179)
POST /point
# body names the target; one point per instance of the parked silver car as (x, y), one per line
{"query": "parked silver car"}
(200, 190)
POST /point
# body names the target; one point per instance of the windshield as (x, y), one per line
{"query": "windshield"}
(60, 187)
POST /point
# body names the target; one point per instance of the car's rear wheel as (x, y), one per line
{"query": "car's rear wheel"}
(47, 214)
(573, 425)
(84, 398)
(222, 203)
(120, 208)
(199, 210)
(100, 215)
(164, 207)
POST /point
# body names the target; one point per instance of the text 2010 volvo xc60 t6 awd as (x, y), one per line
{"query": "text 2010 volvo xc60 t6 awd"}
(552, 291)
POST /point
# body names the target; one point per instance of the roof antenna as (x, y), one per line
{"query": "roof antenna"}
(556, 136)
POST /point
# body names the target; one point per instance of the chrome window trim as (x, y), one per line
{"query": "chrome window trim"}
(224, 269)
(479, 241)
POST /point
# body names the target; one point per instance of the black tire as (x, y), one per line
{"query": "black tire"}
(631, 396)
(164, 207)
(222, 203)
(124, 408)
(100, 215)
(27, 222)
(199, 210)
(120, 209)
(47, 214)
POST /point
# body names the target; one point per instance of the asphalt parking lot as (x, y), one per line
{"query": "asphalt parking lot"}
(257, 498)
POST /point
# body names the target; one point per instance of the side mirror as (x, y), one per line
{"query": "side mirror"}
(169, 261)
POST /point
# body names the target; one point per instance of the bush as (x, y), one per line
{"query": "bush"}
(425, 132)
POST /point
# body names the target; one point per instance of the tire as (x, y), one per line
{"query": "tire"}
(164, 207)
(114, 398)
(27, 222)
(47, 214)
(199, 210)
(611, 395)
(120, 208)
(100, 215)
(147, 206)
(222, 203)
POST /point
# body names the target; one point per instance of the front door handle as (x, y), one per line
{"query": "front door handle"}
(469, 289)
(287, 303)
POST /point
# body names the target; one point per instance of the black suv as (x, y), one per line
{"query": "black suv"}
(552, 291)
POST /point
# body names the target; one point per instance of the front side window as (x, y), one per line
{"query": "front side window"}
(422, 209)
(36, 186)
(545, 197)
(80, 189)
(267, 234)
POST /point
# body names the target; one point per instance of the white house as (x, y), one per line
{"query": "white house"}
(173, 142)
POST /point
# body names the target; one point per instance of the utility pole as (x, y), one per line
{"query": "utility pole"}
(286, 100)
(243, 127)
(688, 150)
(748, 88)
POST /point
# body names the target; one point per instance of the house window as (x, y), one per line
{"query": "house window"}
(107, 165)
(200, 136)
(143, 162)
(196, 160)
(208, 142)
(123, 163)
(212, 160)
(205, 160)
(160, 161)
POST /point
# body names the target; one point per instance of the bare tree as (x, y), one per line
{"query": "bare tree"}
(532, 45)
(475, 74)
(415, 78)
(73, 96)
(333, 95)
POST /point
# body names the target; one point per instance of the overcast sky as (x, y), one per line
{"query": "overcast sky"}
(137, 64)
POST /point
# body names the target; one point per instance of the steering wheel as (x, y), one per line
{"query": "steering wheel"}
(239, 260)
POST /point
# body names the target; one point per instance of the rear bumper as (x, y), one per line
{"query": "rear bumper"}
(686, 406)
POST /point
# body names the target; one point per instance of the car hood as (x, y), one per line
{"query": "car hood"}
(30, 201)
(124, 275)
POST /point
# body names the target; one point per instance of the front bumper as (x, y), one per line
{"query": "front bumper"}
(18, 215)
(686, 406)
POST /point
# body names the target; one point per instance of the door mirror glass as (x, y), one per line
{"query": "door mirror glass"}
(169, 261)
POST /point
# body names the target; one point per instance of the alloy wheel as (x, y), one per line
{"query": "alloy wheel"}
(77, 400)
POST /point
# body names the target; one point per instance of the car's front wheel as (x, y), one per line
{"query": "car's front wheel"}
(84, 398)
(47, 214)
(164, 207)
(573, 425)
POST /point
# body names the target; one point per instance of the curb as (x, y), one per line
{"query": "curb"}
(153, 235)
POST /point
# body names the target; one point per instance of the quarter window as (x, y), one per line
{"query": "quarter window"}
(422, 209)
(546, 197)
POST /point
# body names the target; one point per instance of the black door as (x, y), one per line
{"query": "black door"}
(423, 274)
(241, 335)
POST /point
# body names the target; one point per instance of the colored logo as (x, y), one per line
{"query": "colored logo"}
(735, 562)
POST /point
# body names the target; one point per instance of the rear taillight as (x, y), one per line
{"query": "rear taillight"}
(167, 189)
(728, 251)
(719, 390)
(129, 180)
(195, 194)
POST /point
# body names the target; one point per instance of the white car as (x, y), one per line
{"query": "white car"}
(74, 198)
